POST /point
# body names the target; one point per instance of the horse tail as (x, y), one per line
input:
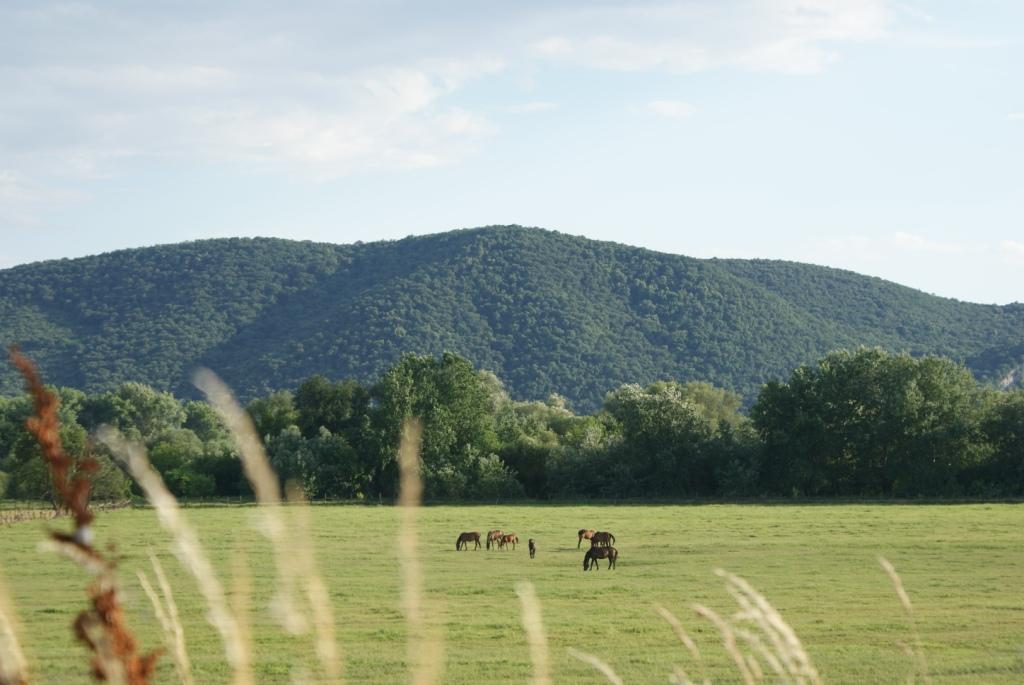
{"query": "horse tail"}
(612, 537)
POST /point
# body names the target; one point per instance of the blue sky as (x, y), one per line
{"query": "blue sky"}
(874, 135)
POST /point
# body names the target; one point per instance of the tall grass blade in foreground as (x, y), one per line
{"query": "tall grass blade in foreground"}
(691, 646)
(187, 549)
(169, 620)
(601, 666)
(102, 627)
(782, 642)
(13, 666)
(267, 488)
(316, 590)
(533, 624)
(292, 545)
(425, 648)
(917, 650)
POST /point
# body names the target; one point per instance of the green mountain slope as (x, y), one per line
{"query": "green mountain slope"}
(547, 312)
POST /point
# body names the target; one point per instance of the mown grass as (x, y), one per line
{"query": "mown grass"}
(963, 566)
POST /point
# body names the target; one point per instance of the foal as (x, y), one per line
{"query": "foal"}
(533, 548)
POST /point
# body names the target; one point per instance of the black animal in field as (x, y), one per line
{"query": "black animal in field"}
(533, 548)
(595, 553)
(465, 539)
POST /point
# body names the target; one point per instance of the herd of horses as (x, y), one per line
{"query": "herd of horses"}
(601, 545)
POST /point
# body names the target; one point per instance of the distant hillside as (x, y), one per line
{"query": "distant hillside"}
(546, 311)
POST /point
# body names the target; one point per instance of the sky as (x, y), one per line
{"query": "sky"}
(878, 136)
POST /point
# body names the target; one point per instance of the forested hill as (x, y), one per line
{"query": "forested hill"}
(545, 311)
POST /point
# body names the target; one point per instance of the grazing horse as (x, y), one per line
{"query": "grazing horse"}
(602, 539)
(465, 539)
(508, 539)
(533, 548)
(585, 534)
(493, 536)
(595, 553)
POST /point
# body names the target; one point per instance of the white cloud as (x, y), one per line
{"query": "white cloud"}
(531, 107)
(1012, 250)
(1015, 116)
(670, 109)
(21, 198)
(789, 36)
(915, 243)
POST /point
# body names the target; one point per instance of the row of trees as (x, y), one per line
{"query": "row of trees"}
(864, 423)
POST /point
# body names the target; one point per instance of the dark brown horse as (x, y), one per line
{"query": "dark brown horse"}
(533, 548)
(493, 536)
(595, 553)
(602, 539)
(465, 539)
(585, 534)
(508, 539)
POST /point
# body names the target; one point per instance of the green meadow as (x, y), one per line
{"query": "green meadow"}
(962, 565)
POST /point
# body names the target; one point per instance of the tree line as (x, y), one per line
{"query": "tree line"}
(864, 423)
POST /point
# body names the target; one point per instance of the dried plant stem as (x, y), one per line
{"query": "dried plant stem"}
(785, 644)
(533, 624)
(601, 666)
(102, 627)
(267, 488)
(240, 601)
(728, 640)
(174, 634)
(424, 650)
(187, 549)
(684, 637)
(13, 665)
(917, 650)
(316, 590)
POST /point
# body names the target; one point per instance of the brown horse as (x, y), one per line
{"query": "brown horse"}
(602, 539)
(493, 536)
(465, 539)
(595, 553)
(508, 539)
(533, 548)
(585, 534)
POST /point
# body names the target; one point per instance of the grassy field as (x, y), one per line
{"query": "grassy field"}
(963, 566)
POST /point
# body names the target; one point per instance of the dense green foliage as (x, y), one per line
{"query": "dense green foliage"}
(548, 313)
(864, 423)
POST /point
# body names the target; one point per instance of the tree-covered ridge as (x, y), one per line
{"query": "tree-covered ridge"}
(545, 311)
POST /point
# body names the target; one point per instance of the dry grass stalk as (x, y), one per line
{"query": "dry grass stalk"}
(240, 604)
(684, 637)
(186, 547)
(316, 590)
(70, 478)
(267, 488)
(533, 624)
(13, 665)
(917, 649)
(174, 634)
(424, 648)
(757, 610)
(758, 645)
(102, 627)
(728, 640)
(601, 666)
